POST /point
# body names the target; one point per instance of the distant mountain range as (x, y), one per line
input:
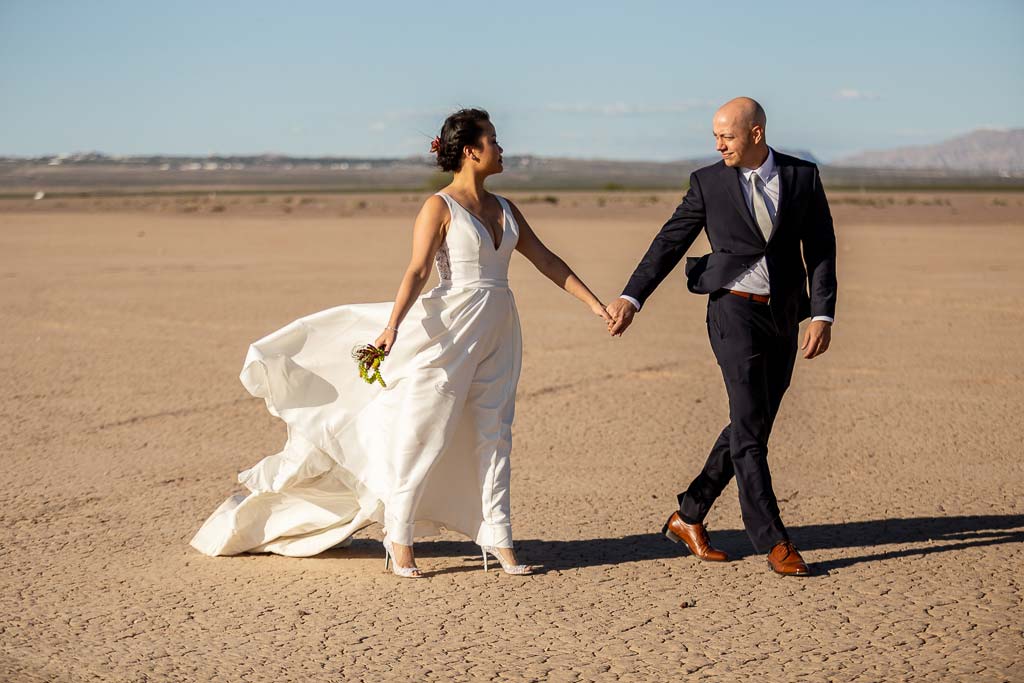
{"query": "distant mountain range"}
(804, 154)
(999, 152)
(983, 159)
(981, 152)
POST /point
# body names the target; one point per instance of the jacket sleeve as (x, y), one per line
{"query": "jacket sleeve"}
(819, 243)
(669, 245)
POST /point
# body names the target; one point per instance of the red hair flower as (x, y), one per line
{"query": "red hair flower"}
(435, 145)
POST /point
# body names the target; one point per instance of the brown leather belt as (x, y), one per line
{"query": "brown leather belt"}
(759, 298)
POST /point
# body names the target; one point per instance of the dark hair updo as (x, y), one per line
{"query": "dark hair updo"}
(459, 130)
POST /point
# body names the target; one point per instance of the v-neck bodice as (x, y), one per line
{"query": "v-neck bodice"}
(468, 256)
(473, 217)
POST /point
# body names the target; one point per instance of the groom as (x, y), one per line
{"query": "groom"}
(759, 208)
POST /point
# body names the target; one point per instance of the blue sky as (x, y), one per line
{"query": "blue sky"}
(611, 80)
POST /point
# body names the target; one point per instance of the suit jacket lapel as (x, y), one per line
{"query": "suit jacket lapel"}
(786, 181)
(732, 180)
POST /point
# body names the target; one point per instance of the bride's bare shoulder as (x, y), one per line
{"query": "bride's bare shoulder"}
(516, 213)
(434, 215)
(435, 205)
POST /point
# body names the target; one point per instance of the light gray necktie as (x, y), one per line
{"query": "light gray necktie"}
(761, 215)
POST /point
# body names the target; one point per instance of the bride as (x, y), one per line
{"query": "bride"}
(429, 450)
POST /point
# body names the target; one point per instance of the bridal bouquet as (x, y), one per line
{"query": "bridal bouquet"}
(368, 358)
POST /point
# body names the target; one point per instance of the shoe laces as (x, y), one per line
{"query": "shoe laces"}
(788, 547)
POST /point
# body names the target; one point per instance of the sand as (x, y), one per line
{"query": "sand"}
(896, 457)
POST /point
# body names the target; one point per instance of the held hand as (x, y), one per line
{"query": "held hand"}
(598, 309)
(621, 313)
(386, 341)
(816, 339)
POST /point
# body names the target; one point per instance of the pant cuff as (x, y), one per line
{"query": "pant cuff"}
(684, 510)
(402, 534)
(496, 535)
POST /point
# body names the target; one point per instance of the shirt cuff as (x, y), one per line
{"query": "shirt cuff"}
(823, 317)
(636, 304)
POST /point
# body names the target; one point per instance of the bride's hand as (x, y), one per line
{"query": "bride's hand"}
(386, 341)
(599, 309)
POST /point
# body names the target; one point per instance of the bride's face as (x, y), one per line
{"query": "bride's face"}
(488, 151)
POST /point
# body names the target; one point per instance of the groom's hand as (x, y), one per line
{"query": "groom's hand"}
(817, 338)
(621, 312)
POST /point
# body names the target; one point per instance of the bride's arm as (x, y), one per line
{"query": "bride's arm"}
(427, 235)
(553, 267)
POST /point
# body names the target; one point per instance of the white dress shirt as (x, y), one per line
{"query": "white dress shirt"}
(754, 280)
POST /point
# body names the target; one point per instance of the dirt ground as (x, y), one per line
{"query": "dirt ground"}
(896, 456)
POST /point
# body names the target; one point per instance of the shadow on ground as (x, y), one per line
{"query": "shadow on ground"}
(942, 534)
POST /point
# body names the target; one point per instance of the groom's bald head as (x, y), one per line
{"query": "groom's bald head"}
(743, 110)
(739, 132)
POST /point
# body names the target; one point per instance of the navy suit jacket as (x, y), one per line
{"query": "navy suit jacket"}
(715, 202)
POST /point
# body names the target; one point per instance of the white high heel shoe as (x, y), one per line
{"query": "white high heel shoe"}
(404, 572)
(518, 569)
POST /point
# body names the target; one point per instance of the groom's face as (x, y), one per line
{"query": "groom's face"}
(736, 143)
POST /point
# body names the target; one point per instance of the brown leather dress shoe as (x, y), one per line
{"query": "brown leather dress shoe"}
(784, 559)
(694, 536)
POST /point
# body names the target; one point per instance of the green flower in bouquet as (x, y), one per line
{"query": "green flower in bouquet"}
(368, 358)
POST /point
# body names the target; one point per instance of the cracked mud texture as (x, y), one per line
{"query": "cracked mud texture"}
(896, 456)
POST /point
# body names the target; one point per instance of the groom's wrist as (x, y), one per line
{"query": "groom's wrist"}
(636, 304)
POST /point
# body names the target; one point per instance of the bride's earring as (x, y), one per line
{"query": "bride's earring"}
(474, 157)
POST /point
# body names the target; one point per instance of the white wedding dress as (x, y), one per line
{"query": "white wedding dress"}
(430, 451)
